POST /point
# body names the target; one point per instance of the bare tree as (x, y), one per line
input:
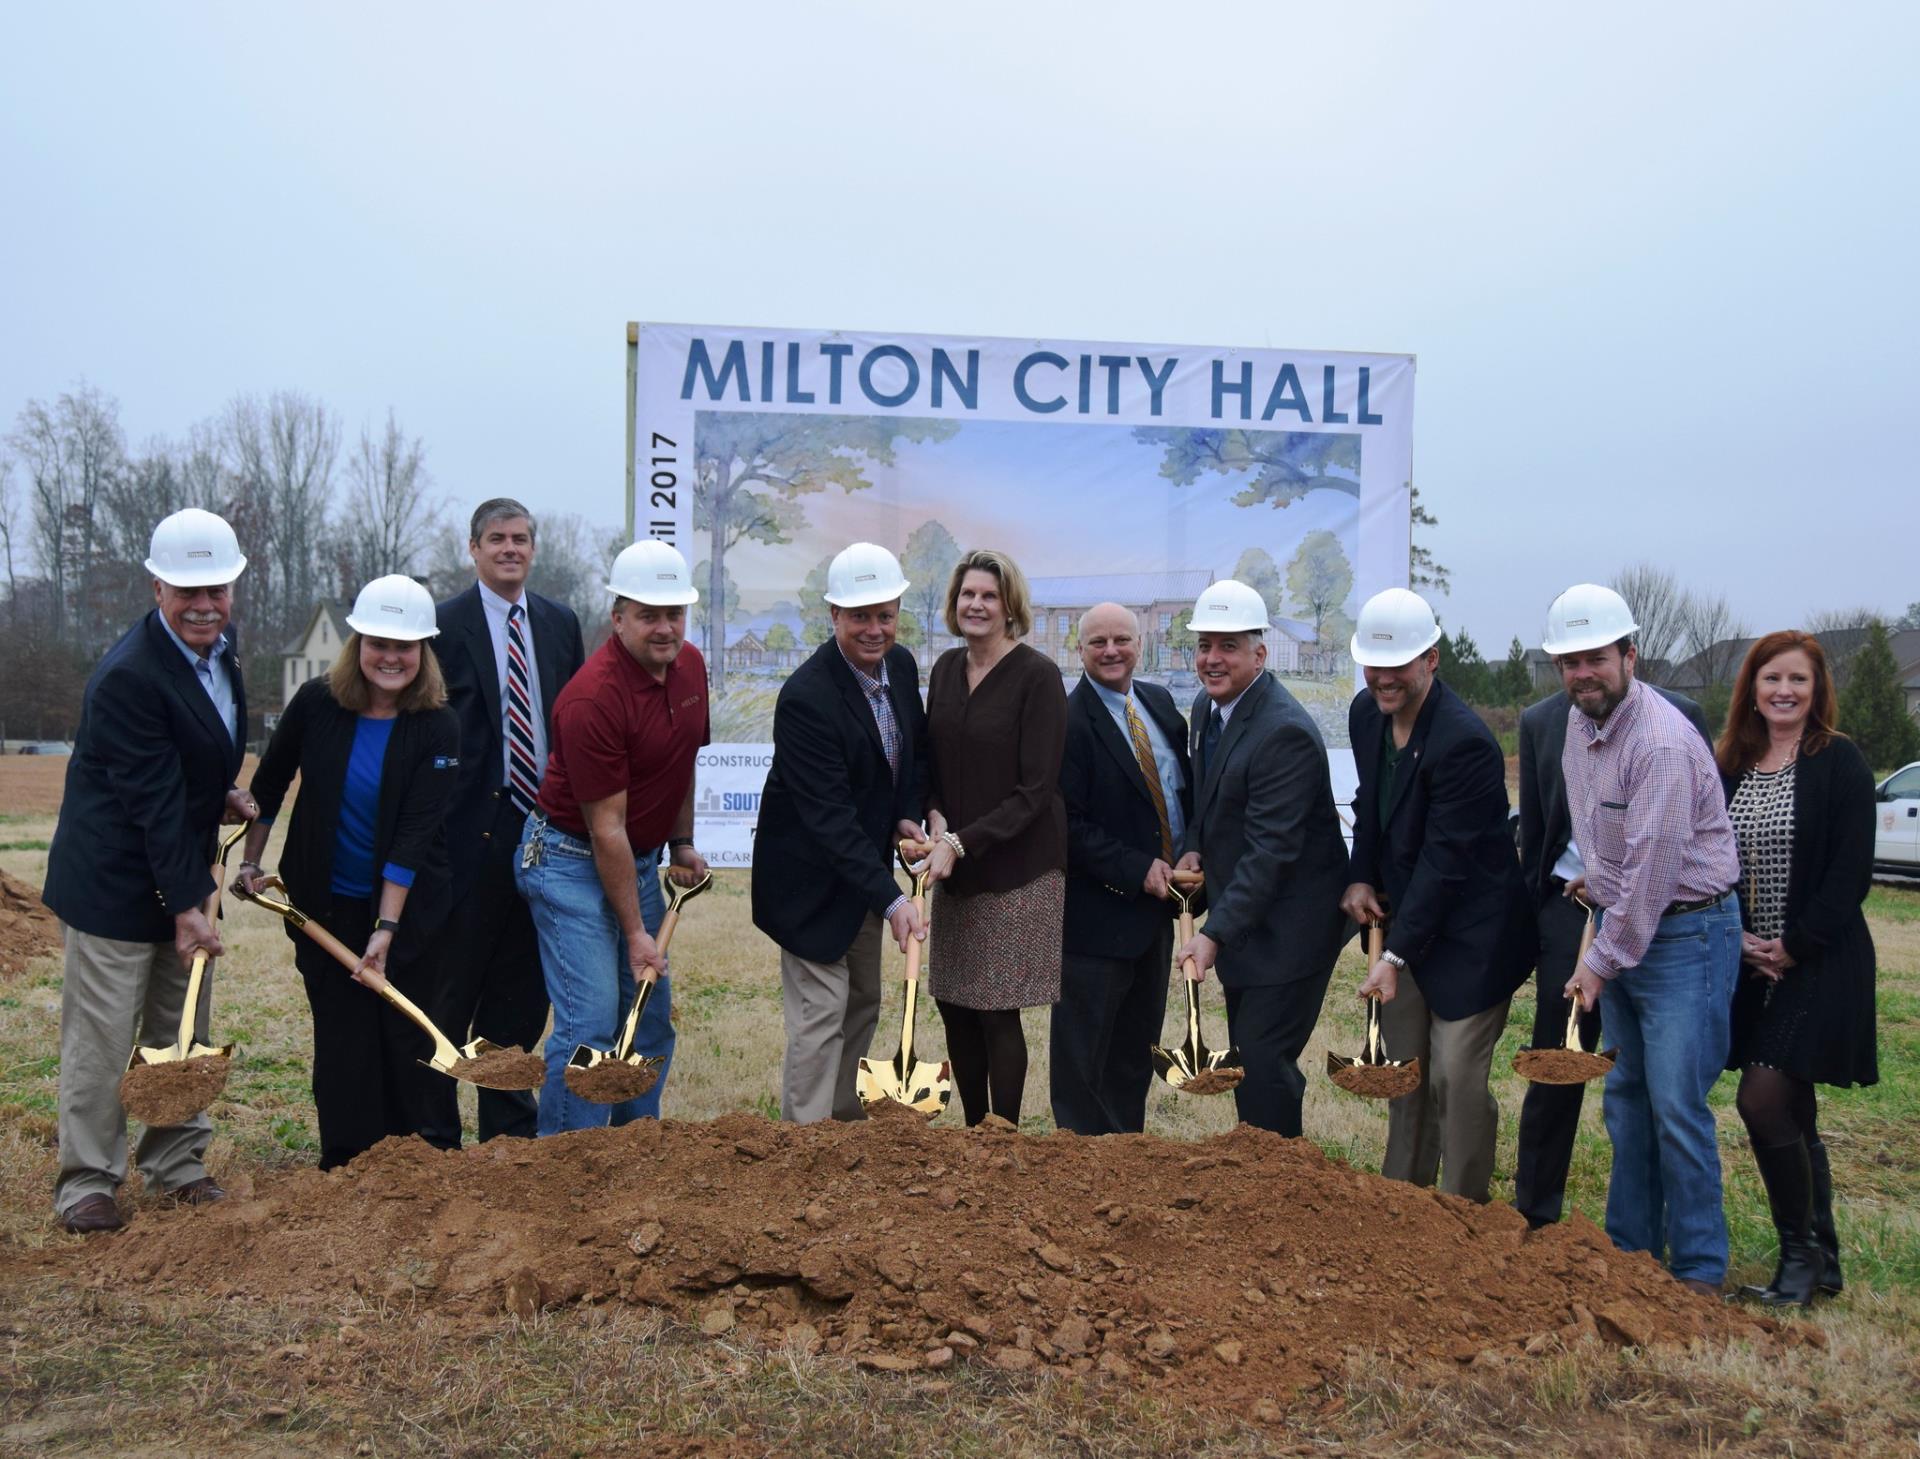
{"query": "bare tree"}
(1659, 605)
(283, 450)
(9, 525)
(1713, 636)
(71, 452)
(1842, 633)
(390, 520)
(1423, 571)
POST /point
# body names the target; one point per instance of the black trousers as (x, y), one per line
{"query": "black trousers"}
(368, 1081)
(1550, 1113)
(491, 985)
(1107, 1020)
(1271, 1025)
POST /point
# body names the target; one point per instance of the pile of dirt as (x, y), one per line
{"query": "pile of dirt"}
(1560, 1066)
(27, 929)
(1233, 1270)
(509, 1068)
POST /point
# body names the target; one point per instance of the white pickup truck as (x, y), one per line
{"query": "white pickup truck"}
(1896, 823)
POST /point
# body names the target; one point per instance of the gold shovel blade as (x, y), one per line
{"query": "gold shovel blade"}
(927, 1087)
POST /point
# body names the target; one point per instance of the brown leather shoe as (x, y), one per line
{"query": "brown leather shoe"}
(90, 1214)
(1705, 1289)
(201, 1192)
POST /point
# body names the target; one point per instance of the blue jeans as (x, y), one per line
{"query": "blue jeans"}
(584, 958)
(1669, 1017)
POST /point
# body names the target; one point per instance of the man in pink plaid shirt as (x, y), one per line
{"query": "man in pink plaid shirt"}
(1650, 819)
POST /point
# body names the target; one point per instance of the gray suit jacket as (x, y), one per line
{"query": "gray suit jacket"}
(1269, 841)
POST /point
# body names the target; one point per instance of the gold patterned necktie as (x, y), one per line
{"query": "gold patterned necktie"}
(1143, 752)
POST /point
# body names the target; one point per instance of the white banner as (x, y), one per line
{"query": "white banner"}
(1131, 472)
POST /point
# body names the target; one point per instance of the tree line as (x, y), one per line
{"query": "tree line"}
(319, 509)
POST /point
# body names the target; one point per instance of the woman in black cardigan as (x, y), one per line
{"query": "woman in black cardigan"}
(377, 751)
(1801, 799)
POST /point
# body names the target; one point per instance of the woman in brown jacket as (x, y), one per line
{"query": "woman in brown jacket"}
(997, 724)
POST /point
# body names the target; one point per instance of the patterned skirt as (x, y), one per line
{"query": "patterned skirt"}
(995, 950)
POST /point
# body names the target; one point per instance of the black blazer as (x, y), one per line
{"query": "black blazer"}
(823, 852)
(146, 787)
(465, 651)
(1269, 841)
(1825, 932)
(314, 740)
(1113, 831)
(1545, 823)
(1458, 908)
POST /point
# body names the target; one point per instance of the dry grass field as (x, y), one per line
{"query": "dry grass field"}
(93, 1369)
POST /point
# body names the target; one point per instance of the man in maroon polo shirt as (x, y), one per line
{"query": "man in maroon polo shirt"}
(618, 788)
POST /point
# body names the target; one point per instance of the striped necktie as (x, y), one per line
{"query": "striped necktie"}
(1143, 752)
(523, 776)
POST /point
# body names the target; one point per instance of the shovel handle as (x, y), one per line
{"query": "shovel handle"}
(1186, 878)
(196, 974)
(442, 1046)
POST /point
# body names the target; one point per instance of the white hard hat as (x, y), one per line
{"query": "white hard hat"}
(1587, 616)
(1395, 628)
(1229, 607)
(195, 549)
(862, 575)
(652, 572)
(394, 606)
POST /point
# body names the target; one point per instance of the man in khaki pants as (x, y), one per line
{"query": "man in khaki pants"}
(848, 781)
(1432, 856)
(163, 728)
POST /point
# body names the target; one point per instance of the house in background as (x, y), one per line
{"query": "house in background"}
(313, 652)
(774, 640)
(1162, 599)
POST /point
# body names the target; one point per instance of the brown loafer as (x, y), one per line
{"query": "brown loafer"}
(1705, 1289)
(90, 1214)
(201, 1192)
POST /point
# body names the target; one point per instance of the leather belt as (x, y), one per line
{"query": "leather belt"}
(1675, 909)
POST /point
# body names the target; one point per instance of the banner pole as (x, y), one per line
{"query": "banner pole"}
(633, 415)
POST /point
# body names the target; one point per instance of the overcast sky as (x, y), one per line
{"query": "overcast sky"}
(1655, 260)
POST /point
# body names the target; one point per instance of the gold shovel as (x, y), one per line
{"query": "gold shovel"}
(1568, 1063)
(1193, 1068)
(478, 1062)
(187, 1075)
(185, 1047)
(1373, 1075)
(608, 1076)
(921, 1086)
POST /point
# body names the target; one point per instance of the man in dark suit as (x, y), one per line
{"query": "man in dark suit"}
(163, 728)
(1268, 838)
(506, 654)
(1433, 859)
(848, 783)
(1550, 1113)
(1127, 785)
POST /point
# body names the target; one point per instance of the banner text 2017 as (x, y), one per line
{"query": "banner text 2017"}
(1043, 382)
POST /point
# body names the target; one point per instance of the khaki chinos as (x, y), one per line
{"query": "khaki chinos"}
(831, 1011)
(113, 994)
(1453, 1109)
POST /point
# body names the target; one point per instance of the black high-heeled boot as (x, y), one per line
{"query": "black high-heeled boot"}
(1824, 1233)
(1787, 1172)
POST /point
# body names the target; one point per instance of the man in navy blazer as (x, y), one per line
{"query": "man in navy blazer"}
(847, 784)
(506, 654)
(1128, 787)
(1550, 1113)
(1267, 836)
(1433, 858)
(163, 728)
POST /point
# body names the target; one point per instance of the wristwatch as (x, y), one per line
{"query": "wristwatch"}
(674, 843)
(1393, 960)
(386, 924)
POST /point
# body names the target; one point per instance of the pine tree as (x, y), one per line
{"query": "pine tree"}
(1873, 710)
(1515, 684)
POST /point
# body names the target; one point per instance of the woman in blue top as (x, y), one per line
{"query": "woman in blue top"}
(377, 751)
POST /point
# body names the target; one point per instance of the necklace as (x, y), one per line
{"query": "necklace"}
(1793, 753)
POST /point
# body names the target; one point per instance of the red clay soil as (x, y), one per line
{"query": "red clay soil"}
(1229, 1270)
(27, 929)
(164, 1095)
